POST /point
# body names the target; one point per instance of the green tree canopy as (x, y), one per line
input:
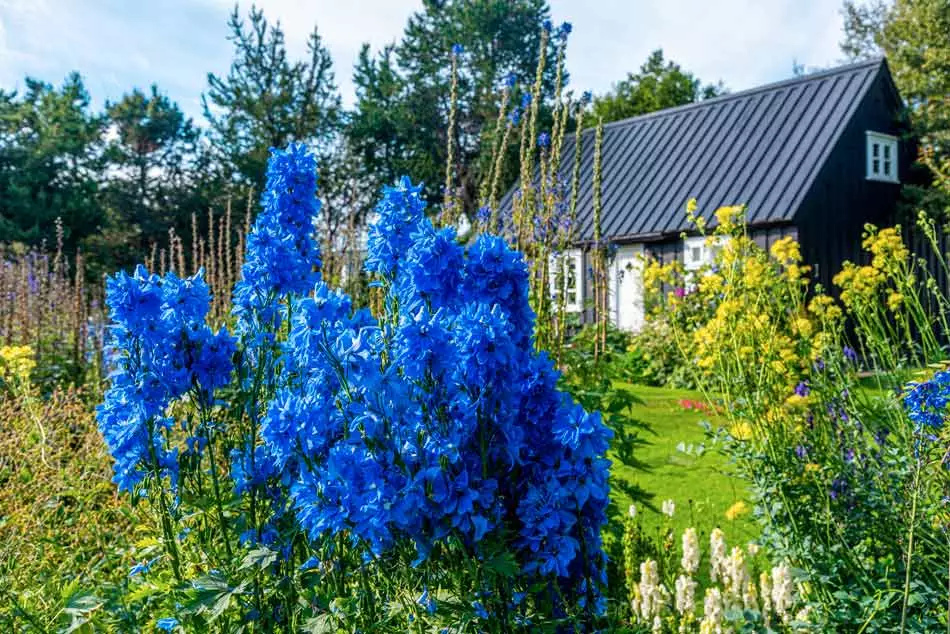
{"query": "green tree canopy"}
(659, 84)
(267, 100)
(152, 155)
(400, 122)
(50, 159)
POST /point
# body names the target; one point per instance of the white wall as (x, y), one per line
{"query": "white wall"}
(626, 288)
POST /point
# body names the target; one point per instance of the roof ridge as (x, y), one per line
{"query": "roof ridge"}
(828, 72)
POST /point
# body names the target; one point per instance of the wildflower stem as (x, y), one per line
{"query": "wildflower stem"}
(910, 546)
(217, 492)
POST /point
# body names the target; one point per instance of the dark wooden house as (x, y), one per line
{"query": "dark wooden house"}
(815, 157)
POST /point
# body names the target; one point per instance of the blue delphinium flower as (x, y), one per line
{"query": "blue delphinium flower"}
(162, 348)
(167, 624)
(282, 255)
(544, 140)
(400, 213)
(427, 601)
(405, 427)
(142, 567)
(457, 49)
(926, 402)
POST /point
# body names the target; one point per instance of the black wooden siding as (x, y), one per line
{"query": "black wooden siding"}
(842, 200)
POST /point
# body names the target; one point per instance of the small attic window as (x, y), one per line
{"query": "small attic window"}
(882, 157)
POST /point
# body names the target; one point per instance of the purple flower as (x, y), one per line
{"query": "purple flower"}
(838, 488)
(802, 389)
(457, 49)
(850, 354)
(510, 80)
(544, 139)
(801, 451)
(679, 292)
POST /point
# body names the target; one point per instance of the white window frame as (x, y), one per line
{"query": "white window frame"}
(881, 157)
(703, 246)
(574, 302)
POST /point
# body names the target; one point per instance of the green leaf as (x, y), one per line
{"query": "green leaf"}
(212, 595)
(503, 564)
(260, 557)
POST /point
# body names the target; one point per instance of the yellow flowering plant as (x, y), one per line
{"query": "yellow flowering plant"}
(849, 485)
(744, 323)
(16, 366)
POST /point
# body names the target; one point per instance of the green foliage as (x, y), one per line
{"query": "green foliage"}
(266, 100)
(66, 541)
(401, 119)
(50, 147)
(653, 359)
(154, 183)
(659, 84)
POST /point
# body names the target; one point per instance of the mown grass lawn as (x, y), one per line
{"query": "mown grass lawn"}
(700, 485)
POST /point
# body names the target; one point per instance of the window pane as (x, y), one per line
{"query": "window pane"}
(887, 168)
(875, 149)
(696, 254)
(887, 152)
(876, 166)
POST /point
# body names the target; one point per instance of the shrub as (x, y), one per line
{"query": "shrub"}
(411, 470)
(847, 475)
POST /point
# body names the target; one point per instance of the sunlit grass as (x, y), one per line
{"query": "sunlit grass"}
(663, 467)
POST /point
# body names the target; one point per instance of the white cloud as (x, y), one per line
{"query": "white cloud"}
(118, 44)
(743, 42)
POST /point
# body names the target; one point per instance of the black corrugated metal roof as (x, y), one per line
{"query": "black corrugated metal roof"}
(762, 147)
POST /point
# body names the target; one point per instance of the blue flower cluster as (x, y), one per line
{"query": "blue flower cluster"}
(162, 349)
(435, 421)
(440, 418)
(926, 402)
(282, 257)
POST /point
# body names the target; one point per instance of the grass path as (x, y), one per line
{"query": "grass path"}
(655, 464)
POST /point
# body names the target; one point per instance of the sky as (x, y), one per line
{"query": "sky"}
(120, 44)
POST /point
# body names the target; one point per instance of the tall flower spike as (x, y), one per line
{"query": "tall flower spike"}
(282, 254)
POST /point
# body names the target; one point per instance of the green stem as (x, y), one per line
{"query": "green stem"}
(217, 495)
(910, 548)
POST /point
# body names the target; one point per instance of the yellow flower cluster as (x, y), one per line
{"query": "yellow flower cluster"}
(858, 284)
(748, 323)
(730, 217)
(886, 247)
(862, 287)
(16, 363)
